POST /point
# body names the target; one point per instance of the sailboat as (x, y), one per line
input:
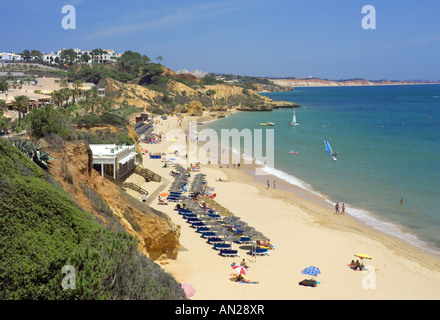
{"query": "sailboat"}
(293, 123)
(329, 149)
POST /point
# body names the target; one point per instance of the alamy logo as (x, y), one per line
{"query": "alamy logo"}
(69, 281)
(216, 149)
(369, 21)
(369, 280)
(69, 20)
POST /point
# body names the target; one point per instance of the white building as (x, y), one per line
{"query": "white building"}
(114, 160)
(9, 56)
(107, 56)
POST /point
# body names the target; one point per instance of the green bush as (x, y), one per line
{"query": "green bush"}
(42, 230)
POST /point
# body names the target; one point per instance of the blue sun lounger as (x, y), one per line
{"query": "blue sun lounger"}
(220, 246)
(259, 252)
(198, 224)
(208, 234)
(244, 240)
(215, 240)
(183, 211)
(229, 253)
(202, 229)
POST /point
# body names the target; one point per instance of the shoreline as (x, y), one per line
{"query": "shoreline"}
(319, 199)
(316, 234)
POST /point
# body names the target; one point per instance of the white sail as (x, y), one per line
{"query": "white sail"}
(293, 123)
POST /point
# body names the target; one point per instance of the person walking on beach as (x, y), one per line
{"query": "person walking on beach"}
(268, 184)
(274, 184)
(337, 208)
(343, 208)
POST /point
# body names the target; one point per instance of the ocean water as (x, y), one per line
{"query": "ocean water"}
(388, 143)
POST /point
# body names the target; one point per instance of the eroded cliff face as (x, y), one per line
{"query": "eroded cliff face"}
(316, 82)
(158, 236)
(218, 97)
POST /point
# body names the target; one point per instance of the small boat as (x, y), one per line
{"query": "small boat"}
(293, 123)
(267, 124)
(329, 149)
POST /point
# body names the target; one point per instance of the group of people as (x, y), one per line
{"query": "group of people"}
(268, 184)
(339, 209)
(356, 265)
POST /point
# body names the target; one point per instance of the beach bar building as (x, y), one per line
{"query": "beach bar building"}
(114, 160)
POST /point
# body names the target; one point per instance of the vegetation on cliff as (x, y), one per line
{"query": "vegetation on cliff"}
(43, 230)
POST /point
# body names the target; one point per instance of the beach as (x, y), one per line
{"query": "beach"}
(304, 230)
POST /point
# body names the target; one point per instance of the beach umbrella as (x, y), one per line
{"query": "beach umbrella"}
(239, 269)
(311, 271)
(362, 256)
(188, 289)
(164, 194)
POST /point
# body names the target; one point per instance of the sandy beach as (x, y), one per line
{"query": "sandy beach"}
(304, 230)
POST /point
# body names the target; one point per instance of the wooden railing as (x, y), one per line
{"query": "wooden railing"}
(147, 173)
(129, 185)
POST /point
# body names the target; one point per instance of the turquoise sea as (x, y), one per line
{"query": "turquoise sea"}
(388, 143)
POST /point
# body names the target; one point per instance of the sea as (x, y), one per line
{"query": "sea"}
(387, 140)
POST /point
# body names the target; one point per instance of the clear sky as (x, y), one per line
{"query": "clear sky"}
(279, 38)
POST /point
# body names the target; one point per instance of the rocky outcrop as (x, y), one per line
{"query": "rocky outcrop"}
(158, 236)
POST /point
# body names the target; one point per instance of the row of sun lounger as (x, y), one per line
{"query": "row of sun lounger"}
(211, 226)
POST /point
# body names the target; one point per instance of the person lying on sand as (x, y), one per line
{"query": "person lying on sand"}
(240, 278)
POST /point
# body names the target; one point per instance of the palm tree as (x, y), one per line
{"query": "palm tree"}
(4, 121)
(57, 97)
(76, 90)
(94, 99)
(21, 105)
(66, 93)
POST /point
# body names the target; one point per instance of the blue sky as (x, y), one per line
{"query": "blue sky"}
(279, 38)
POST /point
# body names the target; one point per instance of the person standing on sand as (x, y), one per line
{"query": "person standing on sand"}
(254, 251)
(274, 184)
(268, 184)
(343, 208)
(337, 208)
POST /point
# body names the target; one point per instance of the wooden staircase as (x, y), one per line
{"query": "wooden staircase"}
(147, 173)
(127, 185)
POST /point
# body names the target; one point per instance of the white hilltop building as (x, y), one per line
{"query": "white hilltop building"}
(9, 56)
(113, 160)
(195, 73)
(107, 56)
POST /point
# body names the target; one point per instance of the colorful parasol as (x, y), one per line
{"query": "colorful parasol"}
(362, 256)
(239, 269)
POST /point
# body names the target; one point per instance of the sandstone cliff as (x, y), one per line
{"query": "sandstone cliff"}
(316, 82)
(158, 236)
(176, 96)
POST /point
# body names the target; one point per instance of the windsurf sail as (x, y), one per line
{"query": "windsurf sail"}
(329, 149)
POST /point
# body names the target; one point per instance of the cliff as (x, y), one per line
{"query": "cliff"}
(316, 82)
(176, 96)
(158, 236)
